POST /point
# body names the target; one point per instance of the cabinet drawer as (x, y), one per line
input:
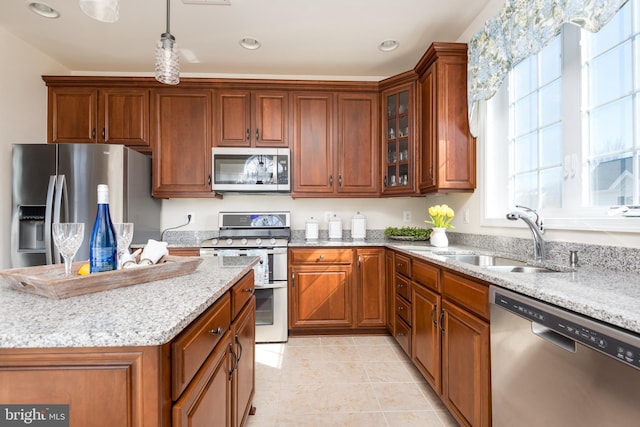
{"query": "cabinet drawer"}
(403, 265)
(241, 293)
(321, 256)
(426, 275)
(403, 335)
(467, 293)
(192, 347)
(403, 287)
(403, 309)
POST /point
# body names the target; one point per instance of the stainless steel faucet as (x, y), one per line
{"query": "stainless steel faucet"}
(534, 221)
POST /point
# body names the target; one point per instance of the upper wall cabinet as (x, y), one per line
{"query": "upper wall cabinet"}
(181, 135)
(398, 122)
(251, 118)
(335, 144)
(105, 115)
(446, 149)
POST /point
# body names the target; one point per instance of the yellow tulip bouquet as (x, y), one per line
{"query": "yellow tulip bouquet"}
(441, 216)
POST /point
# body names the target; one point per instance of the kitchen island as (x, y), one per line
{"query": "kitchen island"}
(142, 355)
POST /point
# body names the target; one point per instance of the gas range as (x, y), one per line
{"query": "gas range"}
(251, 230)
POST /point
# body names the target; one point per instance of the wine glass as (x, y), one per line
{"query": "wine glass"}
(68, 237)
(124, 234)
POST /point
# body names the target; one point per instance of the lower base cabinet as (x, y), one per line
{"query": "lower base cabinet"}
(243, 375)
(426, 335)
(336, 290)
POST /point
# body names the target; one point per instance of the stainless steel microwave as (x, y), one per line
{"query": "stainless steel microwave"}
(252, 170)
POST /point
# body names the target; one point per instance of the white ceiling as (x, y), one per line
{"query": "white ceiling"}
(299, 37)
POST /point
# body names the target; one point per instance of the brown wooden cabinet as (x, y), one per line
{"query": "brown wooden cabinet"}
(251, 119)
(99, 115)
(337, 289)
(426, 335)
(335, 144)
(357, 159)
(402, 302)
(371, 309)
(243, 373)
(389, 275)
(398, 137)
(181, 135)
(446, 149)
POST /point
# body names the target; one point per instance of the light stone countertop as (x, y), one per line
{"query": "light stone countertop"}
(610, 296)
(146, 314)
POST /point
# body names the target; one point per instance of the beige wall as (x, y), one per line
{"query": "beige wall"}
(23, 114)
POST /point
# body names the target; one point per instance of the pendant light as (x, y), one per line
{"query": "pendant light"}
(101, 10)
(167, 63)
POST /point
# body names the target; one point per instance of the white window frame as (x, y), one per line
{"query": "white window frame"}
(494, 152)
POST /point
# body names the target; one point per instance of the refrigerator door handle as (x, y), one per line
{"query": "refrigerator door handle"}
(60, 210)
(48, 213)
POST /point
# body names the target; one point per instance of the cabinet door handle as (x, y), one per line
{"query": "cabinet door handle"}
(104, 134)
(359, 260)
(209, 181)
(93, 134)
(320, 258)
(235, 361)
(433, 316)
(385, 182)
(240, 347)
(400, 285)
(400, 334)
(257, 135)
(249, 290)
(216, 331)
(440, 321)
(400, 308)
(248, 134)
(293, 276)
(340, 180)
(430, 171)
(330, 180)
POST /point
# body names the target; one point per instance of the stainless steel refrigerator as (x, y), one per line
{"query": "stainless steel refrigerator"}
(57, 183)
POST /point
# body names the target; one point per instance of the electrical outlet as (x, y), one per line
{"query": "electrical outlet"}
(465, 216)
(192, 220)
(406, 216)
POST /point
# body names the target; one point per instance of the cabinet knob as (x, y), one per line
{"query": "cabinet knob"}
(249, 290)
(216, 331)
(400, 285)
(400, 308)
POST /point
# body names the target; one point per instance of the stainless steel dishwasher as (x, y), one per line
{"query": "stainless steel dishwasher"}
(551, 367)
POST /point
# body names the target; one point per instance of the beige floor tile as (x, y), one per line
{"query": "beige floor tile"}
(350, 398)
(303, 341)
(374, 340)
(413, 419)
(387, 372)
(447, 419)
(344, 372)
(303, 352)
(400, 397)
(337, 340)
(376, 353)
(337, 353)
(353, 419)
(431, 396)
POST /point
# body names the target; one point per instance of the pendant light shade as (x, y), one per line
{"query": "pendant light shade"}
(101, 10)
(167, 62)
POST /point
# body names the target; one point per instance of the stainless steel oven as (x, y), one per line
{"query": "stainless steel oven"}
(264, 235)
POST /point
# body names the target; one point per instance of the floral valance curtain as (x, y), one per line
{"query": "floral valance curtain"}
(523, 28)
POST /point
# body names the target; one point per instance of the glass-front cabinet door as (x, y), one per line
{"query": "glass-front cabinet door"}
(398, 140)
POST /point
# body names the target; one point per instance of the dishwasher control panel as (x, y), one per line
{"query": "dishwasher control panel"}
(622, 346)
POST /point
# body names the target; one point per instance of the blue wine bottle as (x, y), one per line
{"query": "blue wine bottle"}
(103, 250)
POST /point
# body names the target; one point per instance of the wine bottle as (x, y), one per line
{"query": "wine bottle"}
(103, 250)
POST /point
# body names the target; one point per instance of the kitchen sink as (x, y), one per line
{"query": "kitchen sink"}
(484, 260)
(521, 269)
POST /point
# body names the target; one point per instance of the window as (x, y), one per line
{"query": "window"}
(567, 121)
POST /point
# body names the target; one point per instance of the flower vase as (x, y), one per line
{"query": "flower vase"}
(439, 237)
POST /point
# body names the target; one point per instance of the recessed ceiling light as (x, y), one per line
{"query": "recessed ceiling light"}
(249, 43)
(43, 9)
(388, 45)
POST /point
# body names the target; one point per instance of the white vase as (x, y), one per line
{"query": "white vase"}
(439, 237)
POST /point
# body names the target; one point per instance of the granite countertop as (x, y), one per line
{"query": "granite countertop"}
(147, 314)
(610, 296)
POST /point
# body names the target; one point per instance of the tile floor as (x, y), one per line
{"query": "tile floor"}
(342, 381)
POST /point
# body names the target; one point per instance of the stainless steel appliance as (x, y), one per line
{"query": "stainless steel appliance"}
(551, 367)
(266, 235)
(255, 170)
(57, 182)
